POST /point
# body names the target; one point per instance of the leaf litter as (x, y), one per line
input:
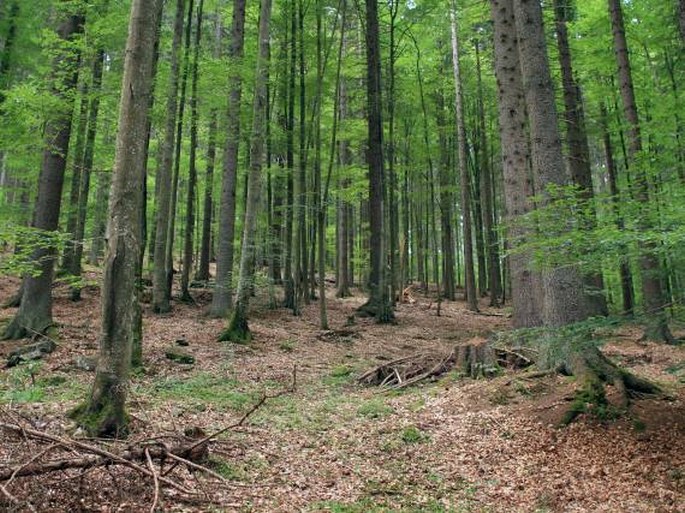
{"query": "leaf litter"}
(332, 445)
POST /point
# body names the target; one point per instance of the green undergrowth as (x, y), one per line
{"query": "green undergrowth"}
(27, 384)
(203, 389)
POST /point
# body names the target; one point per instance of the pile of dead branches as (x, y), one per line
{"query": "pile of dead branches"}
(475, 358)
(155, 460)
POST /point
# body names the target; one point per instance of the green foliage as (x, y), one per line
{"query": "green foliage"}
(24, 241)
(27, 384)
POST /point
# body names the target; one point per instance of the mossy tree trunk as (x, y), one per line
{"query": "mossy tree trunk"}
(104, 413)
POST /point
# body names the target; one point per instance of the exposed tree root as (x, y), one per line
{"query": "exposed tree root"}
(594, 371)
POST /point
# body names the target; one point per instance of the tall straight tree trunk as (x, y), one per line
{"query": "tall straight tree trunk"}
(392, 215)
(564, 300)
(579, 151)
(319, 204)
(86, 170)
(625, 273)
(208, 202)
(650, 267)
(238, 330)
(192, 169)
(378, 304)
(100, 220)
(35, 311)
(161, 294)
(487, 196)
(345, 206)
(104, 413)
(292, 227)
(76, 172)
(222, 298)
(469, 274)
(302, 274)
(518, 186)
(178, 150)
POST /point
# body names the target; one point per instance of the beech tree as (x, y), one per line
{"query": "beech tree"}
(35, 311)
(238, 329)
(104, 413)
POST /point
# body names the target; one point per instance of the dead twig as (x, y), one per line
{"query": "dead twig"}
(155, 480)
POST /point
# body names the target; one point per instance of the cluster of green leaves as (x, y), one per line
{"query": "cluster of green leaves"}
(21, 245)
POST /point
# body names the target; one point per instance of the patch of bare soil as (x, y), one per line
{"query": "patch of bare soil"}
(333, 445)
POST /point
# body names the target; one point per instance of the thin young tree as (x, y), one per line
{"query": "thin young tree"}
(469, 274)
(208, 201)
(192, 168)
(104, 413)
(238, 329)
(161, 294)
(35, 311)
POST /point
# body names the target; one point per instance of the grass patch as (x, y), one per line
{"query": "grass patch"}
(287, 346)
(414, 435)
(374, 409)
(340, 375)
(204, 388)
(24, 384)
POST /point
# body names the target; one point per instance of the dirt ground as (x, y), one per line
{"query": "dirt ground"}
(452, 445)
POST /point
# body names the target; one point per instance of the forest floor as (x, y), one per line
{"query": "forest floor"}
(453, 445)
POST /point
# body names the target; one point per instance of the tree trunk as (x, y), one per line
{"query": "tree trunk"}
(238, 330)
(104, 413)
(86, 170)
(564, 300)
(192, 170)
(469, 274)
(161, 294)
(178, 150)
(35, 311)
(378, 304)
(625, 273)
(222, 297)
(518, 186)
(579, 151)
(100, 220)
(650, 267)
(292, 227)
(487, 197)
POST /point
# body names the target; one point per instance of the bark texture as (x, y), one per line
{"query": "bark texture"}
(518, 183)
(651, 271)
(564, 300)
(104, 414)
(238, 330)
(222, 298)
